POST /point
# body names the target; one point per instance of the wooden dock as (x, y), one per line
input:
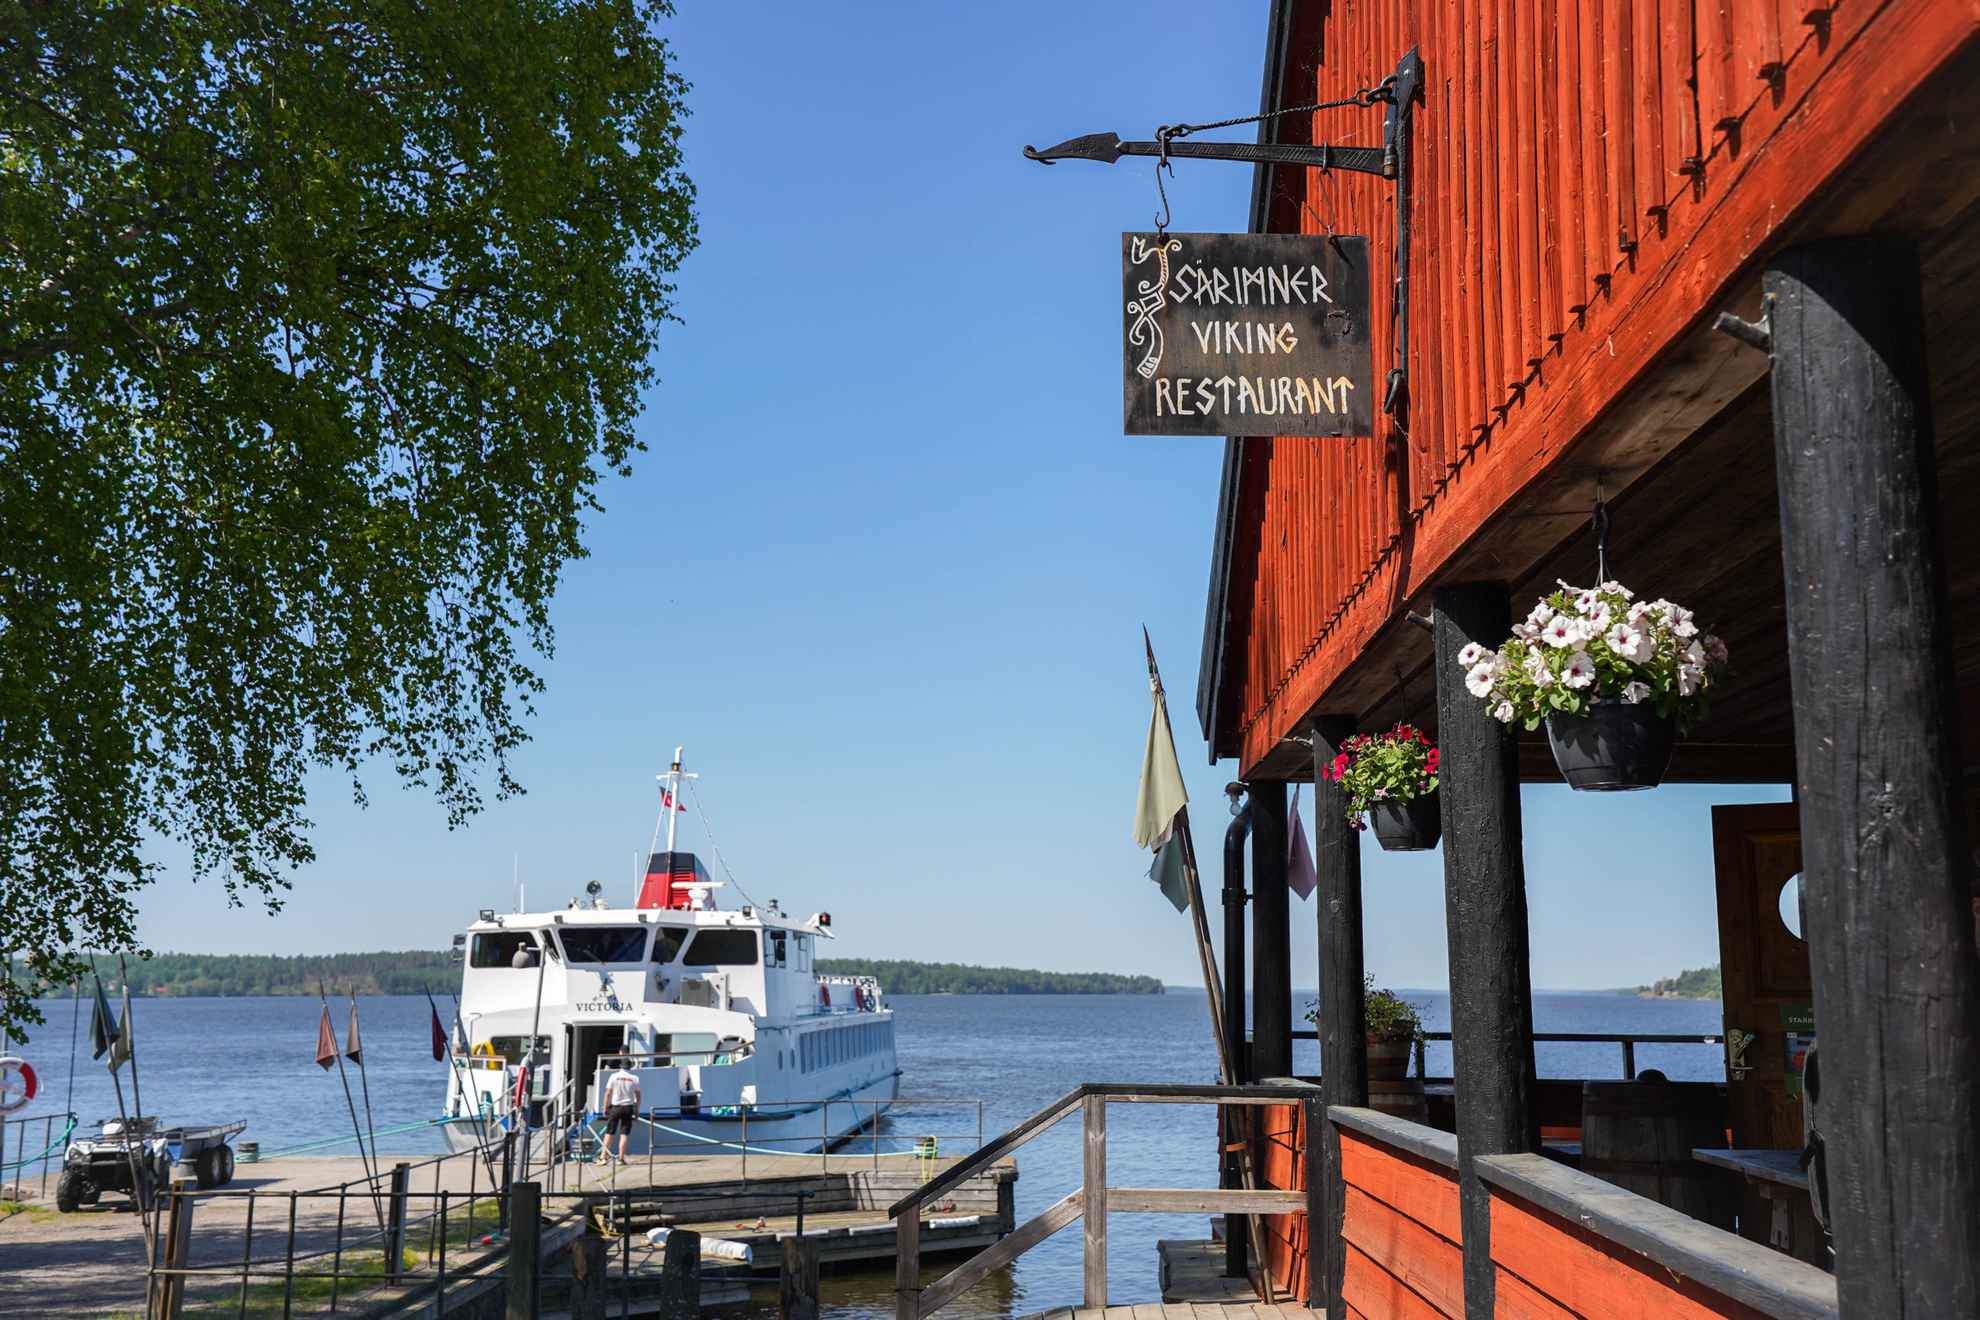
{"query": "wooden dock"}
(1181, 1311)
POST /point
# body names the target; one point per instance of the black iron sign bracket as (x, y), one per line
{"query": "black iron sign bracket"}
(1399, 92)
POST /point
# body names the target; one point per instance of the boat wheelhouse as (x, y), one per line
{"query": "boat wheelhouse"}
(722, 1015)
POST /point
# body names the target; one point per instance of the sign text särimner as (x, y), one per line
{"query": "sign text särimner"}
(1246, 334)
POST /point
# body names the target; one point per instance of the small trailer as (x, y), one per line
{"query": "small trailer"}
(136, 1158)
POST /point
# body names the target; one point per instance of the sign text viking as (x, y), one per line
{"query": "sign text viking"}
(1246, 334)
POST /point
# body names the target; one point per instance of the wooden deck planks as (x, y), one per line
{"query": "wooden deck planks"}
(1181, 1311)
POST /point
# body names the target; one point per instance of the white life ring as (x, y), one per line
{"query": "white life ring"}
(17, 1083)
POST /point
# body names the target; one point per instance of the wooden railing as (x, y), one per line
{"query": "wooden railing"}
(1094, 1200)
(1628, 1040)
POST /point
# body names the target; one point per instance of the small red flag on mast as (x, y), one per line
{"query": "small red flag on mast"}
(326, 1042)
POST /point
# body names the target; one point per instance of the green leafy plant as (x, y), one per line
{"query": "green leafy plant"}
(1396, 766)
(1385, 1015)
(324, 326)
(1581, 645)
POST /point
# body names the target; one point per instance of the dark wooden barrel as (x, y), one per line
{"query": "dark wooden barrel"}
(1640, 1135)
(1402, 1097)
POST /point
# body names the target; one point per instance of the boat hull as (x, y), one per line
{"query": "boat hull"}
(766, 1129)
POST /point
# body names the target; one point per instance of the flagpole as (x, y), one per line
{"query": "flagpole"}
(124, 1120)
(1207, 957)
(460, 1032)
(137, 1090)
(364, 1079)
(460, 1078)
(371, 1178)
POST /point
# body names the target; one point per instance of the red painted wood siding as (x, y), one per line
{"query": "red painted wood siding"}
(1550, 1269)
(1590, 176)
(1401, 1231)
(1282, 1141)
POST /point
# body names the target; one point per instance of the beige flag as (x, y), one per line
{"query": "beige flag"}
(1162, 792)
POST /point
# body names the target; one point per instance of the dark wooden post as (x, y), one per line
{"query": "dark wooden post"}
(1343, 1043)
(1484, 921)
(797, 1278)
(395, 1221)
(1233, 1121)
(1884, 842)
(1271, 935)
(588, 1276)
(680, 1277)
(525, 1250)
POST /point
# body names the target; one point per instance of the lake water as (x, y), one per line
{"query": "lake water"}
(221, 1059)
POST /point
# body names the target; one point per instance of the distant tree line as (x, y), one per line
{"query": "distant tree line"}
(416, 971)
(218, 975)
(1693, 983)
(922, 978)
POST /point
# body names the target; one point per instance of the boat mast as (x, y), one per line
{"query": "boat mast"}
(671, 801)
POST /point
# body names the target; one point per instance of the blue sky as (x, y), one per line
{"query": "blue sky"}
(885, 567)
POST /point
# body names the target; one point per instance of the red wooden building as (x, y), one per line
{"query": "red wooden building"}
(1592, 183)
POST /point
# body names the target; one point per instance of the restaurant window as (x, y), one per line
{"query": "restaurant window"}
(497, 948)
(722, 948)
(603, 944)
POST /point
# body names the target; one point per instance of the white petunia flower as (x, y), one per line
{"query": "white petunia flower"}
(1694, 655)
(1682, 625)
(1629, 643)
(1688, 681)
(1636, 692)
(1580, 671)
(1478, 681)
(1470, 655)
(1598, 619)
(1614, 588)
(1539, 615)
(1640, 613)
(1560, 632)
(1587, 600)
(1504, 713)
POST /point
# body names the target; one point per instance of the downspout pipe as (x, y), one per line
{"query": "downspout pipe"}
(1236, 1254)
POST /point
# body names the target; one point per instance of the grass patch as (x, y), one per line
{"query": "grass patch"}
(8, 1209)
(361, 1270)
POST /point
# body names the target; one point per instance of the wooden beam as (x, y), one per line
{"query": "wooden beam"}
(1028, 1235)
(1884, 841)
(1233, 1123)
(1203, 1201)
(1485, 920)
(1093, 1196)
(1271, 934)
(1343, 1043)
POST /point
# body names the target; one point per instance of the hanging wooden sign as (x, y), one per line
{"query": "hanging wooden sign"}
(1246, 334)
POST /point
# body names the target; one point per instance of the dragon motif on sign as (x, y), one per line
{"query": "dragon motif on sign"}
(1153, 296)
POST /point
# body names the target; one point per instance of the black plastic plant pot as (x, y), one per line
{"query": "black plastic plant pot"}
(1616, 747)
(1412, 826)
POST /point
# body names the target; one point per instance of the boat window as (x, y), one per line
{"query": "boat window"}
(688, 1047)
(722, 948)
(667, 943)
(774, 957)
(511, 1047)
(604, 944)
(497, 948)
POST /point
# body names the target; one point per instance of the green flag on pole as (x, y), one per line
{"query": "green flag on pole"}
(102, 1024)
(121, 1051)
(1162, 792)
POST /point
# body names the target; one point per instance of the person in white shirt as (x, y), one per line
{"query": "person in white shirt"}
(621, 1103)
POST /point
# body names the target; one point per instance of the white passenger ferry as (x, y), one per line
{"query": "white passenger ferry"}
(734, 1035)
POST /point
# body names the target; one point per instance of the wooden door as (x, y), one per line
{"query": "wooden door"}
(1768, 992)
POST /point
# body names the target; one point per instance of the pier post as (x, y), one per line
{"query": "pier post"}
(1877, 763)
(1234, 1119)
(1343, 1042)
(680, 1277)
(1271, 935)
(588, 1274)
(395, 1222)
(525, 1250)
(1484, 921)
(797, 1278)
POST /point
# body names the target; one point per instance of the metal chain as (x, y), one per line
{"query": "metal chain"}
(1381, 92)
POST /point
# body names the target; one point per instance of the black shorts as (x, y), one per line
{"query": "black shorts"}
(619, 1120)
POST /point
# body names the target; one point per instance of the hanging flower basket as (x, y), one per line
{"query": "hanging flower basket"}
(1412, 826)
(1614, 747)
(1615, 680)
(1392, 778)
